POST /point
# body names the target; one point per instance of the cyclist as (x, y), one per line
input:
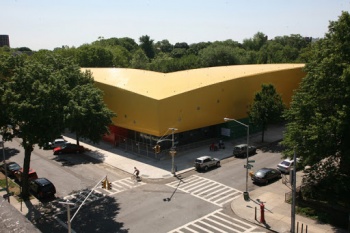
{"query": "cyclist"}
(136, 172)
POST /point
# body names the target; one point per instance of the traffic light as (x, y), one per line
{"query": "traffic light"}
(156, 149)
(104, 184)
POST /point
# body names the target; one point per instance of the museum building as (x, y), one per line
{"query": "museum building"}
(192, 104)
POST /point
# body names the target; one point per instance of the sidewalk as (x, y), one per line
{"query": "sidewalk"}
(277, 211)
(154, 169)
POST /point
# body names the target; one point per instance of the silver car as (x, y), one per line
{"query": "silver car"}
(205, 162)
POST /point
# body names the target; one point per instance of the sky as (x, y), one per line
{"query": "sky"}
(48, 24)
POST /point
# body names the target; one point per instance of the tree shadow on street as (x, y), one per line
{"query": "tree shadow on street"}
(274, 147)
(96, 216)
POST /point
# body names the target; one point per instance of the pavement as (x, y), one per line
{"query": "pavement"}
(277, 212)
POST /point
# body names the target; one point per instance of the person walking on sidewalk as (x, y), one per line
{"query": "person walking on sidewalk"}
(136, 172)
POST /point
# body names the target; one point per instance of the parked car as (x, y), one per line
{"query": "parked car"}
(68, 148)
(56, 143)
(10, 167)
(241, 150)
(205, 162)
(265, 175)
(42, 188)
(285, 165)
(31, 175)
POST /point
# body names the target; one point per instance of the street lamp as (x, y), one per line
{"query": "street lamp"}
(69, 222)
(172, 150)
(247, 165)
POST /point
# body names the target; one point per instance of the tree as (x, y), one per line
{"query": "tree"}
(34, 95)
(318, 119)
(38, 113)
(267, 108)
(86, 114)
(139, 60)
(256, 43)
(94, 56)
(164, 46)
(218, 55)
(146, 44)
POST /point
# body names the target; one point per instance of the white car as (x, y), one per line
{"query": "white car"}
(57, 142)
(285, 165)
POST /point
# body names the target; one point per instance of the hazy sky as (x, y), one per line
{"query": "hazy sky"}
(47, 24)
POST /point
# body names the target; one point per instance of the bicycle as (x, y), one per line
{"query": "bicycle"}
(135, 179)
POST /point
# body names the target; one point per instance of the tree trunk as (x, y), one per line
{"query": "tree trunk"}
(26, 165)
(77, 138)
(263, 132)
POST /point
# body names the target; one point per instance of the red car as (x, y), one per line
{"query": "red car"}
(68, 149)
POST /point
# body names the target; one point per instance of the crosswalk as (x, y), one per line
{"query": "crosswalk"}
(217, 221)
(120, 186)
(206, 189)
(77, 198)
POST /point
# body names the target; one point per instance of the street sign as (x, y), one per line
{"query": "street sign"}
(251, 161)
(249, 166)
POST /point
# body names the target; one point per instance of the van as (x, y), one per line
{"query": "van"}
(31, 175)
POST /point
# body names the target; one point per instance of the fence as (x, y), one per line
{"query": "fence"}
(147, 150)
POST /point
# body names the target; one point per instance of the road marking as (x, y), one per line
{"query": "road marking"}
(217, 222)
(120, 186)
(206, 189)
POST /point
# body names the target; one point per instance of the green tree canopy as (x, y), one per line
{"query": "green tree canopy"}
(86, 113)
(318, 119)
(94, 56)
(34, 96)
(267, 108)
(146, 44)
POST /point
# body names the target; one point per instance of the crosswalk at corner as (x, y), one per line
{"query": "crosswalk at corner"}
(120, 186)
(78, 197)
(206, 189)
(217, 221)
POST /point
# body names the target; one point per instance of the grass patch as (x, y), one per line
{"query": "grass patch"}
(13, 187)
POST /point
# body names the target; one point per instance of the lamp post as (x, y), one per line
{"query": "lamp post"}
(69, 222)
(7, 184)
(247, 165)
(172, 150)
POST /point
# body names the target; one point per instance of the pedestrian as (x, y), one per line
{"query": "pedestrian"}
(136, 172)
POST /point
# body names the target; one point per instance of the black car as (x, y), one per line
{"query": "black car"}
(11, 168)
(265, 175)
(240, 151)
(42, 188)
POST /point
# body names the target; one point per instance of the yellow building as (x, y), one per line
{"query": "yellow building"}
(149, 103)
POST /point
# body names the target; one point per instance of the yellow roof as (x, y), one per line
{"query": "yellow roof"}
(163, 85)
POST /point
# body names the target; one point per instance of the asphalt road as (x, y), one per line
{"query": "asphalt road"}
(186, 203)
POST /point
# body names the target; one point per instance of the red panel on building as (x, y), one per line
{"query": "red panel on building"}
(115, 134)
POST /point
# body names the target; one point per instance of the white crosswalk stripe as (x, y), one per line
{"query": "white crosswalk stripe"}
(120, 186)
(78, 197)
(206, 189)
(217, 222)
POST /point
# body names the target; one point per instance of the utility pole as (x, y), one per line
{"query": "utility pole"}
(293, 179)
(172, 151)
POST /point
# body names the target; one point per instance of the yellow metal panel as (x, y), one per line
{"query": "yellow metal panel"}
(151, 102)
